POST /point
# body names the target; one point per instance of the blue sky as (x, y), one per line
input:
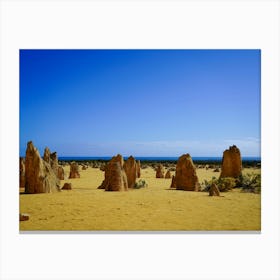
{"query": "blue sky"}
(140, 102)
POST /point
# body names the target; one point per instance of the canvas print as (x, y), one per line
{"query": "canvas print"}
(140, 140)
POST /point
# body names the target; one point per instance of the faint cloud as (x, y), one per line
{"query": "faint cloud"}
(248, 146)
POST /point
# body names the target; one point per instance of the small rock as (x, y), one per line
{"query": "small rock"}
(67, 186)
(214, 190)
(23, 217)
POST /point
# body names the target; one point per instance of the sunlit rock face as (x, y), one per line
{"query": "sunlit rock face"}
(130, 168)
(160, 171)
(39, 175)
(232, 163)
(185, 176)
(115, 176)
(74, 171)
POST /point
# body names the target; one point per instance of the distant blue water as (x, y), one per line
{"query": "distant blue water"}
(218, 159)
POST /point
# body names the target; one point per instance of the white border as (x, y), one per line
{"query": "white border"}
(139, 24)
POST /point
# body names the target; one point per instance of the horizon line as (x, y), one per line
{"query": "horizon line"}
(220, 156)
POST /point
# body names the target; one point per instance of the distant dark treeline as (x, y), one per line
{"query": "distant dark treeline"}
(245, 163)
(214, 162)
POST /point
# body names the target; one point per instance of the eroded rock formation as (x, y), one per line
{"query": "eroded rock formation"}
(214, 190)
(60, 173)
(232, 163)
(173, 184)
(160, 171)
(115, 176)
(118, 179)
(185, 175)
(39, 176)
(138, 168)
(167, 174)
(51, 158)
(47, 155)
(130, 168)
(74, 170)
(54, 163)
(21, 173)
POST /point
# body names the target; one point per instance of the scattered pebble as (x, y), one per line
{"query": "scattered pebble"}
(23, 217)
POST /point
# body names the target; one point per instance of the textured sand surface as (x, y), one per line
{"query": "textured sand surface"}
(153, 208)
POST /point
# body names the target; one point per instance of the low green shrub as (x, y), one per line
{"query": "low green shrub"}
(250, 183)
(140, 184)
(247, 183)
(224, 184)
(205, 185)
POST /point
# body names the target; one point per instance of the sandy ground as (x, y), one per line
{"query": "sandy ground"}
(153, 208)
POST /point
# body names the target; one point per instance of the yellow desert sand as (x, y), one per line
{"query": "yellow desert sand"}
(157, 207)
